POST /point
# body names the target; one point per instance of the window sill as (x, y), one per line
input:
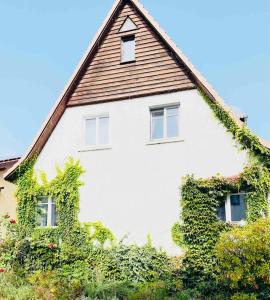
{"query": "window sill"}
(127, 62)
(165, 141)
(96, 148)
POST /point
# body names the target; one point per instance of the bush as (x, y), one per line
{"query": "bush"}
(131, 263)
(14, 287)
(243, 256)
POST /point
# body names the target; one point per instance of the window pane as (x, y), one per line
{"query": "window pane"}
(172, 111)
(221, 212)
(157, 124)
(172, 121)
(103, 130)
(128, 49)
(42, 212)
(172, 126)
(54, 214)
(238, 207)
(90, 132)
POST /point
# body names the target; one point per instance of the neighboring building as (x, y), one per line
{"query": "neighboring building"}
(134, 117)
(7, 189)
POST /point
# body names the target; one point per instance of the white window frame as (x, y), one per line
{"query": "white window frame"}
(96, 146)
(228, 209)
(123, 39)
(49, 214)
(165, 133)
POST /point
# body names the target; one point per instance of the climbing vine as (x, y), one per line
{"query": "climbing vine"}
(242, 135)
(200, 228)
(64, 189)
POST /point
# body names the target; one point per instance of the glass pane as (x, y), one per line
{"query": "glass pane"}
(103, 130)
(172, 126)
(157, 124)
(54, 214)
(90, 132)
(42, 212)
(128, 49)
(221, 212)
(172, 111)
(238, 207)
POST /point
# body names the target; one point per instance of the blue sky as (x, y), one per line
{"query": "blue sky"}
(41, 43)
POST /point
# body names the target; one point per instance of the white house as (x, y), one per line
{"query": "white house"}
(133, 116)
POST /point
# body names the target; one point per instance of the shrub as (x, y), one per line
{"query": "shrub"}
(244, 256)
(13, 287)
(48, 285)
(131, 263)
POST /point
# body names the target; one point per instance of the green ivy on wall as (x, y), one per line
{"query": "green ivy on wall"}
(64, 189)
(200, 227)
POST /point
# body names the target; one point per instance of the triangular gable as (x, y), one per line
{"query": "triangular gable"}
(128, 25)
(61, 104)
(154, 70)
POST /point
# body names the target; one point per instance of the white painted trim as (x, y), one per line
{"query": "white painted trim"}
(96, 148)
(165, 141)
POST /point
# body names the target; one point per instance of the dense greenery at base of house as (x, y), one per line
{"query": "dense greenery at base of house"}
(40, 267)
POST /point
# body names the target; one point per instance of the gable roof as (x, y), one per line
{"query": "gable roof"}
(60, 105)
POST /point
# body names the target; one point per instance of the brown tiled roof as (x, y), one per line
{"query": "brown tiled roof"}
(5, 164)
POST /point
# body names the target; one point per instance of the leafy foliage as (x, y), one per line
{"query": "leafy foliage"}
(241, 134)
(64, 189)
(243, 256)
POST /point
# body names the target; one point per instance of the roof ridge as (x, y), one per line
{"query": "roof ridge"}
(61, 104)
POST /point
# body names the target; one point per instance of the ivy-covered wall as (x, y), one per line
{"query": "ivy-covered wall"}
(64, 189)
(200, 226)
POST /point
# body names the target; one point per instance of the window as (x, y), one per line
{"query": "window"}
(128, 49)
(97, 131)
(233, 209)
(128, 25)
(238, 207)
(165, 122)
(47, 212)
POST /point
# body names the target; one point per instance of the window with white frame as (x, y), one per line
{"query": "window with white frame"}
(97, 131)
(165, 122)
(128, 49)
(233, 209)
(47, 212)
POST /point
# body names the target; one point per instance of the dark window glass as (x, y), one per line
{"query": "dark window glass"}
(238, 207)
(221, 212)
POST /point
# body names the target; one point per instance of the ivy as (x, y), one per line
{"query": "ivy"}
(243, 135)
(64, 189)
(200, 229)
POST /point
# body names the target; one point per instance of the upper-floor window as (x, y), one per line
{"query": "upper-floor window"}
(47, 212)
(128, 49)
(165, 122)
(234, 208)
(97, 131)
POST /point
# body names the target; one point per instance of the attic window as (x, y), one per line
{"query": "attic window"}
(128, 49)
(128, 25)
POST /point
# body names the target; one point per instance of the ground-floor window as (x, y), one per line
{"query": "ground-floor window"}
(47, 212)
(234, 208)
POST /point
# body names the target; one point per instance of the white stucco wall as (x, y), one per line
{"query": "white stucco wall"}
(133, 187)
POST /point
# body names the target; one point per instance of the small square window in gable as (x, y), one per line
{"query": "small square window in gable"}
(128, 25)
